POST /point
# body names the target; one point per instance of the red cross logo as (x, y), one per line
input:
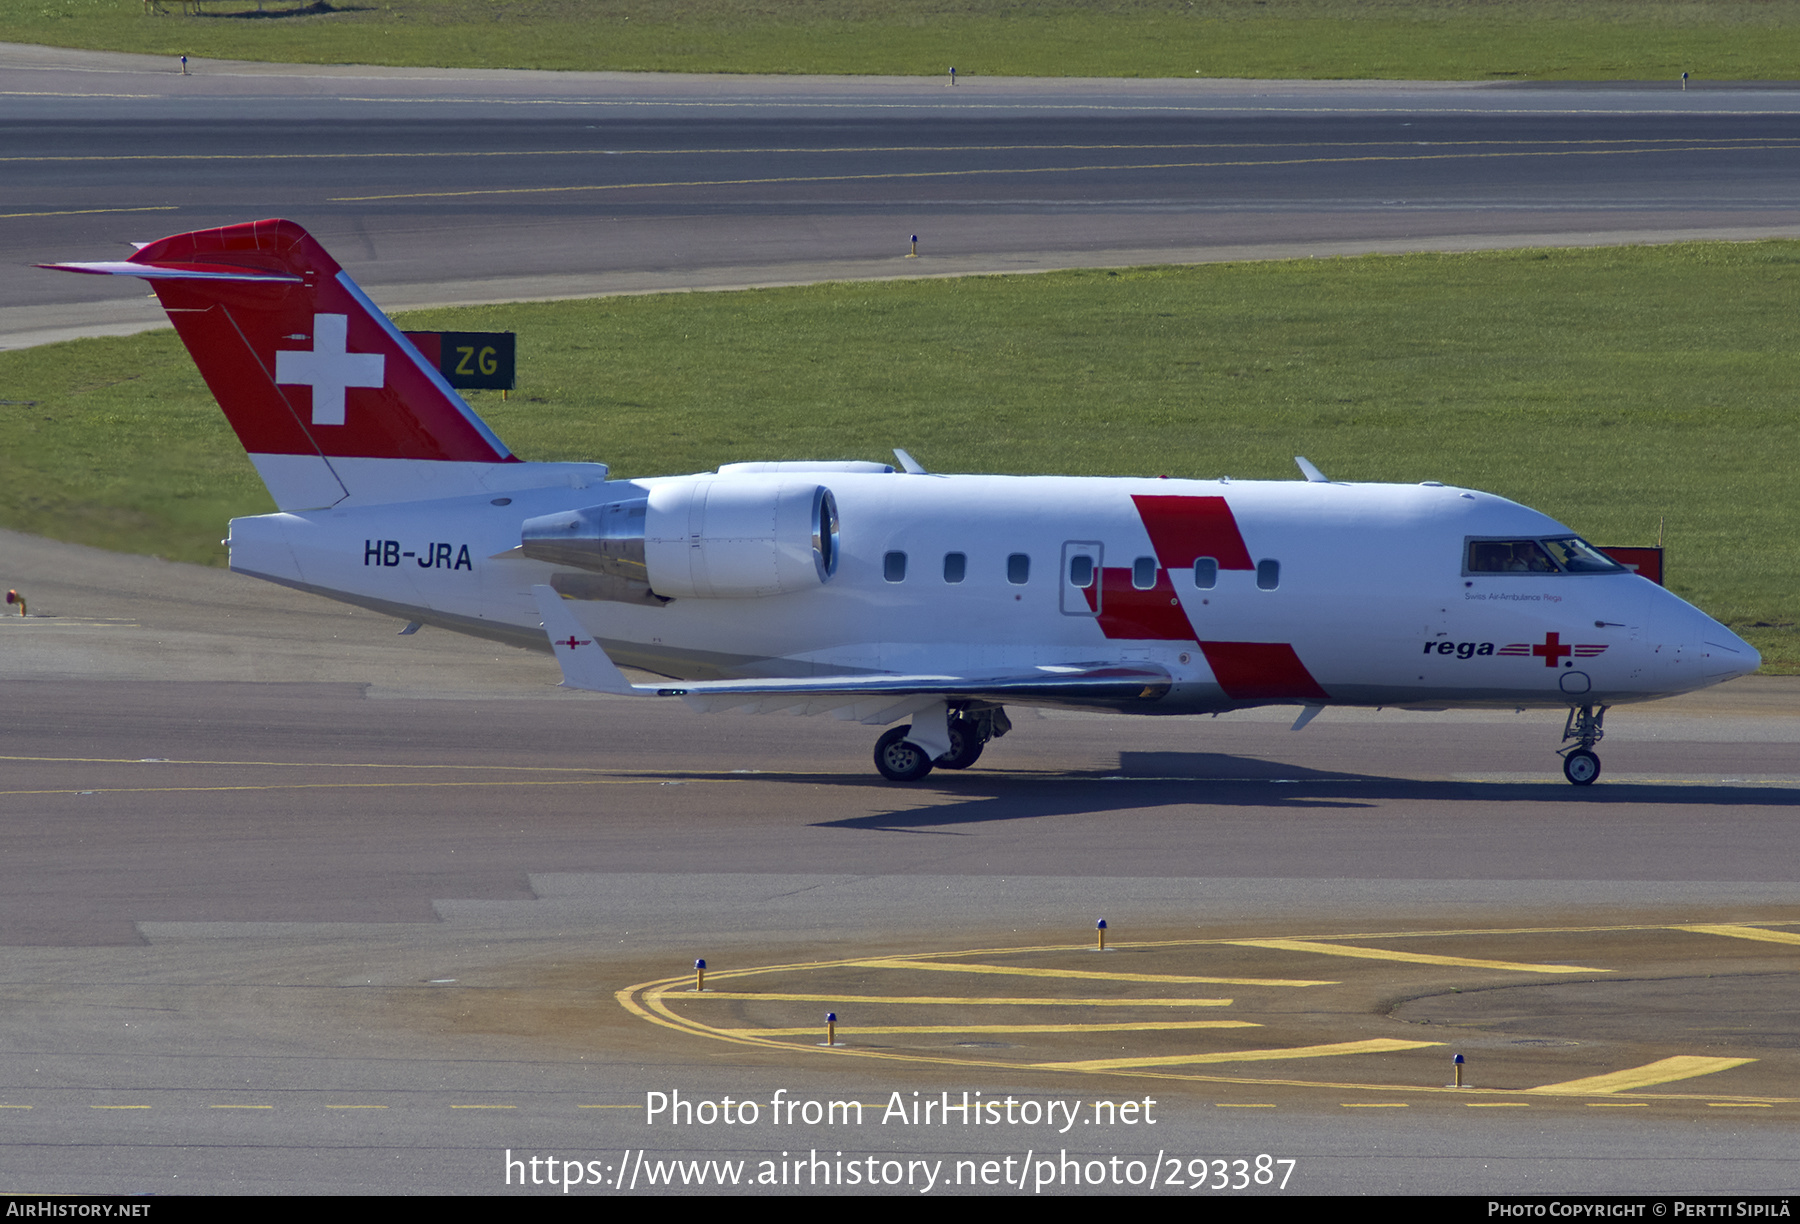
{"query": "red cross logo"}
(574, 641)
(1551, 650)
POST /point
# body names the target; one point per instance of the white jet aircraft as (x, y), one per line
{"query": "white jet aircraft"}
(852, 589)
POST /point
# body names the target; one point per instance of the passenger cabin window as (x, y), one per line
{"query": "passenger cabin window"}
(1018, 569)
(1268, 574)
(1143, 573)
(1081, 571)
(893, 567)
(1564, 555)
(1206, 573)
(956, 565)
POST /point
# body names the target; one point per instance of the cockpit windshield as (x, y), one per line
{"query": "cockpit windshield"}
(1562, 555)
(1577, 556)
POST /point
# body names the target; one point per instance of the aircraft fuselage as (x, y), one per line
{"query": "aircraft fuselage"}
(1324, 593)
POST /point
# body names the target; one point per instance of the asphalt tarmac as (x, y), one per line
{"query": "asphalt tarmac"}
(293, 905)
(440, 187)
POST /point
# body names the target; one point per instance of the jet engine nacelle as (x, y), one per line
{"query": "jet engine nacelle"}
(739, 538)
(735, 538)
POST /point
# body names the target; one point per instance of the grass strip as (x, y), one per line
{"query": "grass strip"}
(1322, 39)
(1616, 389)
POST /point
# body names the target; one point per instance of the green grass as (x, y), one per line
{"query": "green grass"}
(1397, 39)
(1613, 389)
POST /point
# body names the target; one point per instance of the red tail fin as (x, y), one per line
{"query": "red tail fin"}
(303, 364)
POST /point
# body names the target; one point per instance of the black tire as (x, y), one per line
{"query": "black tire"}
(1581, 767)
(965, 746)
(898, 760)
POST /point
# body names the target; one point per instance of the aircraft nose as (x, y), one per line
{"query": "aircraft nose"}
(1725, 655)
(1718, 653)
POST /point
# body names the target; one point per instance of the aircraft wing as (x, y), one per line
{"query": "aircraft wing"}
(873, 699)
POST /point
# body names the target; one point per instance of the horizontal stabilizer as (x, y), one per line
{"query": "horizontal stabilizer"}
(172, 271)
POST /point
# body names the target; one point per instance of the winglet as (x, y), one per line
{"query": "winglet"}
(582, 659)
(1311, 473)
(908, 464)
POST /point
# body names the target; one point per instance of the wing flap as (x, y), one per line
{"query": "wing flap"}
(873, 699)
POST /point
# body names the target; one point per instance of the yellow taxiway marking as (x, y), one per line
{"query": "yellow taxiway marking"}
(1618, 1105)
(356, 1107)
(1185, 108)
(82, 212)
(15, 1107)
(1498, 1104)
(1415, 958)
(65, 93)
(1373, 1105)
(609, 1107)
(484, 1107)
(1662, 1071)
(1083, 974)
(1379, 1045)
(1231, 1105)
(538, 775)
(1739, 1105)
(939, 1000)
(398, 155)
(992, 171)
(1332, 939)
(1733, 931)
(649, 1001)
(652, 1002)
(390, 766)
(1146, 1026)
(240, 1107)
(44, 620)
(118, 1107)
(293, 786)
(1743, 781)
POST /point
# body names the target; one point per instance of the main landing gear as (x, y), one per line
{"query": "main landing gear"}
(970, 728)
(1580, 765)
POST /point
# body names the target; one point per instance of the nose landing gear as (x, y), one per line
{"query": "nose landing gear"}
(1580, 765)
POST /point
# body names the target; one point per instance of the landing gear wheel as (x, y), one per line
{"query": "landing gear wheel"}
(965, 746)
(1581, 767)
(900, 761)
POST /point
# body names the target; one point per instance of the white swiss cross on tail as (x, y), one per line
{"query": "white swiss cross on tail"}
(329, 368)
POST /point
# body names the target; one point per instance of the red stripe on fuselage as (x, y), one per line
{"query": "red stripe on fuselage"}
(1261, 671)
(1183, 529)
(1127, 612)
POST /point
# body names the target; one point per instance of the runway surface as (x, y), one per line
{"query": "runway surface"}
(292, 904)
(437, 187)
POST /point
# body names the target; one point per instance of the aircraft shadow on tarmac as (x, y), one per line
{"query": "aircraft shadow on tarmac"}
(315, 9)
(1162, 779)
